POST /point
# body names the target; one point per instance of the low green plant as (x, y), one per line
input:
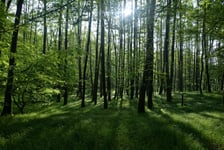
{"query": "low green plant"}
(196, 125)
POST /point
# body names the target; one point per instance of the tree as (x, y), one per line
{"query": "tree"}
(45, 27)
(166, 52)
(59, 45)
(79, 49)
(147, 81)
(102, 51)
(180, 60)
(97, 61)
(66, 55)
(7, 109)
(109, 56)
(205, 48)
(86, 56)
(136, 57)
(173, 46)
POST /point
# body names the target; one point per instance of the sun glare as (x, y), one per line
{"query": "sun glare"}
(128, 10)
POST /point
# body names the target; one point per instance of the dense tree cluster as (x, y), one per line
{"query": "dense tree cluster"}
(114, 48)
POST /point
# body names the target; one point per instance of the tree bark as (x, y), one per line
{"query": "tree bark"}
(65, 59)
(109, 56)
(79, 37)
(86, 57)
(97, 61)
(59, 48)
(180, 71)
(206, 58)
(45, 28)
(102, 49)
(7, 108)
(134, 81)
(173, 45)
(166, 52)
(147, 81)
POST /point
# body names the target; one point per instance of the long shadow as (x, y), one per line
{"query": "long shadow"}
(193, 102)
(188, 129)
(87, 129)
(95, 128)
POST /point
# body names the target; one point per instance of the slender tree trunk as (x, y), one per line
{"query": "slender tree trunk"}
(197, 67)
(8, 5)
(204, 45)
(173, 45)
(194, 71)
(86, 57)
(97, 61)
(147, 81)
(116, 68)
(109, 57)
(135, 70)
(129, 61)
(79, 37)
(123, 55)
(206, 58)
(180, 71)
(66, 61)
(166, 52)
(137, 90)
(161, 88)
(45, 28)
(102, 49)
(7, 108)
(59, 48)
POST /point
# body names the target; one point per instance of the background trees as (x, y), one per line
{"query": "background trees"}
(125, 48)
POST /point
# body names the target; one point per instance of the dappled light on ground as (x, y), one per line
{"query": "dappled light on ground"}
(196, 125)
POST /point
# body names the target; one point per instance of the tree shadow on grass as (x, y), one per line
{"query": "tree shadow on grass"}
(188, 129)
(95, 128)
(193, 102)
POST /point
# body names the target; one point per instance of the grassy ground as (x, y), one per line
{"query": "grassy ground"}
(199, 124)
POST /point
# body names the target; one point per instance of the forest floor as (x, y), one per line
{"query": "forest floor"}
(199, 124)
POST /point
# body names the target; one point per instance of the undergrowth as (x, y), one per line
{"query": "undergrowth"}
(196, 125)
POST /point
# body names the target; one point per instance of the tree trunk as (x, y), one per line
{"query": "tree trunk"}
(135, 68)
(79, 37)
(147, 82)
(102, 49)
(173, 45)
(121, 55)
(109, 56)
(204, 46)
(116, 68)
(180, 71)
(166, 52)
(161, 77)
(45, 28)
(97, 61)
(197, 67)
(66, 55)
(59, 48)
(86, 57)
(206, 58)
(7, 108)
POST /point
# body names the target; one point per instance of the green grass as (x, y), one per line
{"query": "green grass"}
(199, 124)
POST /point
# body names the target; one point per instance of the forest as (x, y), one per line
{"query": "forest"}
(111, 74)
